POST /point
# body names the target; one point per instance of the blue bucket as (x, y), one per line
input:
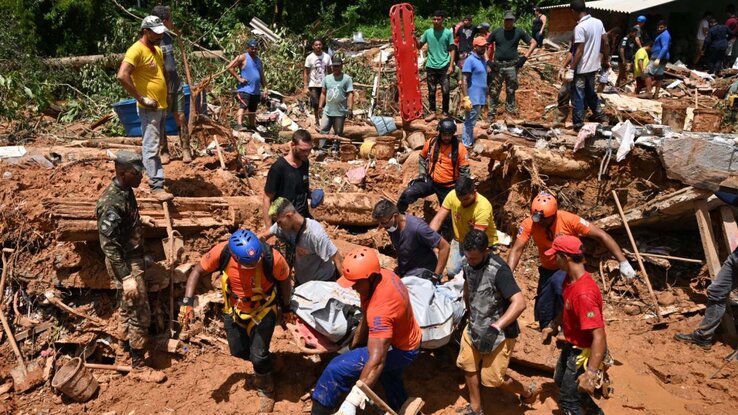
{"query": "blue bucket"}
(383, 125)
(127, 111)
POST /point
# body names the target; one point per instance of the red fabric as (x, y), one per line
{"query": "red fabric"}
(582, 310)
(389, 313)
(732, 24)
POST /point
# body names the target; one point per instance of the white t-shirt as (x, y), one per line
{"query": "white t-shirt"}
(702, 30)
(317, 65)
(589, 31)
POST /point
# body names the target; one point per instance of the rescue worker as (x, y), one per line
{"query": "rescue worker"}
(255, 283)
(120, 230)
(442, 161)
(389, 330)
(544, 225)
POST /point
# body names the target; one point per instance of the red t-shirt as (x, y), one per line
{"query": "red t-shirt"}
(582, 310)
(389, 313)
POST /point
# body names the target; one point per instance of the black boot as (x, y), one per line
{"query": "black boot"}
(138, 357)
(264, 384)
(319, 409)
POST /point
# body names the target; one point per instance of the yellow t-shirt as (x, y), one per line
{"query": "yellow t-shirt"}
(642, 54)
(148, 72)
(478, 215)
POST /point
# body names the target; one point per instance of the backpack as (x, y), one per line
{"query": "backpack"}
(435, 147)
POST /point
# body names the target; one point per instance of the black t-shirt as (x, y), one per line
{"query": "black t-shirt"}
(170, 66)
(506, 42)
(466, 37)
(507, 286)
(290, 183)
(630, 48)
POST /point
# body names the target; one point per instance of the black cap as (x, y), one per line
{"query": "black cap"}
(336, 60)
(129, 159)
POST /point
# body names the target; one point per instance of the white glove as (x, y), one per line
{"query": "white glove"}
(355, 399)
(149, 102)
(569, 75)
(130, 289)
(657, 62)
(626, 270)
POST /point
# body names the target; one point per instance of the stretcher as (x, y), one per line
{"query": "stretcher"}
(402, 21)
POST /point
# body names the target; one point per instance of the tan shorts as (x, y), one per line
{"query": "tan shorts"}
(492, 366)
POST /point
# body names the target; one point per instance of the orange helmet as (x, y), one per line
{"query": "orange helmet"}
(543, 206)
(359, 264)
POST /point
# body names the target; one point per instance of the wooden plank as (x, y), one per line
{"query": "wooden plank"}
(702, 214)
(35, 330)
(730, 229)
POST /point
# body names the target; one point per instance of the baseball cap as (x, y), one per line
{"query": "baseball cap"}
(509, 15)
(641, 19)
(567, 244)
(252, 43)
(131, 159)
(154, 24)
(484, 26)
(479, 41)
(336, 60)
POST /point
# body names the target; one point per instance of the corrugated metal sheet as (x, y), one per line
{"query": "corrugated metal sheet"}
(620, 6)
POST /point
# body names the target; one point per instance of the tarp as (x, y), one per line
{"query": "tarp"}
(620, 6)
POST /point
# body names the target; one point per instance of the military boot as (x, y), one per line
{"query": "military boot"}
(264, 384)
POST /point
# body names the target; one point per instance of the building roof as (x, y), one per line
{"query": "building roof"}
(619, 6)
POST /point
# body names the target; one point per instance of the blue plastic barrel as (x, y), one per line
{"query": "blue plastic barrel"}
(383, 125)
(127, 111)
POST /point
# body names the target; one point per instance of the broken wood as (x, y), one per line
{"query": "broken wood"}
(119, 368)
(58, 303)
(543, 161)
(674, 258)
(33, 331)
(113, 60)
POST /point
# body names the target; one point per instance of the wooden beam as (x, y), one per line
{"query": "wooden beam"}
(704, 223)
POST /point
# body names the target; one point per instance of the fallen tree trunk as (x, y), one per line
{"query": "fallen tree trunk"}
(533, 159)
(75, 218)
(113, 60)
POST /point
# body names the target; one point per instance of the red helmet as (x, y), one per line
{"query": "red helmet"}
(543, 206)
(359, 264)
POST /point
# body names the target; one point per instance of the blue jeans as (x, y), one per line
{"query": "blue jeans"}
(717, 297)
(471, 119)
(571, 400)
(549, 301)
(153, 131)
(343, 371)
(584, 95)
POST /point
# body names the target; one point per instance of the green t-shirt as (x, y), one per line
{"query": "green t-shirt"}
(438, 43)
(336, 94)
(506, 42)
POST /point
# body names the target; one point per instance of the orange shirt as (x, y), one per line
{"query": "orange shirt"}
(565, 224)
(444, 172)
(241, 280)
(389, 313)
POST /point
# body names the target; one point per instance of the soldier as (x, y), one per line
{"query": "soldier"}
(121, 240)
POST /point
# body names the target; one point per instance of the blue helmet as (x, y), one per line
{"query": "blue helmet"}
(245, 247)
(641, 19)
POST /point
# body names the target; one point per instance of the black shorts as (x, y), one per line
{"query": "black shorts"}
(248, 102)
(315, 92)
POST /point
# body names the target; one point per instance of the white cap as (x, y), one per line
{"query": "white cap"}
(154, 24)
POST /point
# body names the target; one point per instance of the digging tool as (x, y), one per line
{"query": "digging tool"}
(639, 259)
(173, 249)
(412, 406)
(732, 356)
(119, 368)
(224, 173)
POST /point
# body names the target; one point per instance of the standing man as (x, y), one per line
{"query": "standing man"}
(495, 302)
(255, 280)
(438, 67)
(564, 97)
(289, 177)
(464, 36)
(640, 26)
(441, 162)
(414, 241)
(483, 30)
(659, 56)
(309, 249)
(474, 88)
(732, 24)
(387, 321)
(716, 43)
(469, 210)
(718, 295)
(120, 231)
(539, 26)
(592, 46)
(628, 48)
(317, 65)
(544, 225)
(505, 63)
(337, 98)
(251, 79)
(580, 366)
(640, 68)
(175, 95)
(142, 74)
(702, 29)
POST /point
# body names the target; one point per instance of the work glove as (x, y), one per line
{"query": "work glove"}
(130, 289)
(466, 103)
(626, 270)
(521, 61)
(587, 381)
(355, 399)
(149, 102)
(148, 221)
(657, 62)
(316, 198)
(569, 77)
(186, 314)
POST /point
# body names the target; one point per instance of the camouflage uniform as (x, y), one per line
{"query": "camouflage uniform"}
(507, 72)
(121, 240)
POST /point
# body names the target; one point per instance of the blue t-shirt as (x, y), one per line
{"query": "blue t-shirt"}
(414, 246)
(476, 85)
(660, 48)
(251, 72)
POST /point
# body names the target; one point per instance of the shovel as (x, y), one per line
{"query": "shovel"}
(173, 250)
(24, 376)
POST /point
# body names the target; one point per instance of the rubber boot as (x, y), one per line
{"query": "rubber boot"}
(264, 384)
(184, 137)
(141, 372)
(319, 409)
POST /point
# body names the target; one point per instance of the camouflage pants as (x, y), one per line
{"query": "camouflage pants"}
(502, 72)
(564, 101)
(135, 314)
